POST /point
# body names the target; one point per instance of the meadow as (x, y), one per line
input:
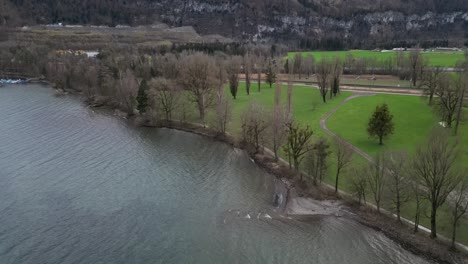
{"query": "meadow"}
(413, 121)
(435, 58)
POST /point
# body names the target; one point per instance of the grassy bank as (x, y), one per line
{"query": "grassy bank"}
(441, 59)
(413, 119)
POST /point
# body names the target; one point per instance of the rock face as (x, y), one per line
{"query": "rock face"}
(391, 20)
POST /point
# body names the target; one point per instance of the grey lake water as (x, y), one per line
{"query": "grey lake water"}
(80, 186)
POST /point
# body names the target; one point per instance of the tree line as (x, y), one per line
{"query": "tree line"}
(172, 87)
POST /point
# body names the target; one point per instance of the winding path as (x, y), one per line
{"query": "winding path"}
(324, 127)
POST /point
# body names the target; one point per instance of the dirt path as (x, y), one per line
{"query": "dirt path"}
(324, 119)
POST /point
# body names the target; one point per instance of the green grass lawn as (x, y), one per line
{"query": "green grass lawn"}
(442, 59)
(413, 119)
(307, 104)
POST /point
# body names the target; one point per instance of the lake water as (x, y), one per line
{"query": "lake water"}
(78, 186)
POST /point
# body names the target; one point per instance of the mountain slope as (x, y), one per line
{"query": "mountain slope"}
(346, 20)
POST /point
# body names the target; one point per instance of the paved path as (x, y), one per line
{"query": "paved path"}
(324, 119)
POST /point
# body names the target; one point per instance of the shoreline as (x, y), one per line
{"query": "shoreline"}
(417, 243)
(401, 233)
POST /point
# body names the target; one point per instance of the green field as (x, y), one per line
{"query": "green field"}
(413, 119)
(441, 59)
(307, 105)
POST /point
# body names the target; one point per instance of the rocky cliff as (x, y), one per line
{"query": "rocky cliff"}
(354, 21)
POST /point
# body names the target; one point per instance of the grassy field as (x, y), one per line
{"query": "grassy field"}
(307, 105)
(413, 120)
(442, 59)
(412, 116)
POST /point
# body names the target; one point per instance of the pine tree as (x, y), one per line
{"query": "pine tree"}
(381, 123)
(270, 74)
(142, 97)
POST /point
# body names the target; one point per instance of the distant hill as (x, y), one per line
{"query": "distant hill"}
(311, 23)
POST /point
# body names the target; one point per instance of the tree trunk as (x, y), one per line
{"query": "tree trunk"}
(247, 83)
(275, 151)
(454, 232)
(201, 110)
(296, 164)
(398, 210)
(460, 107)
(380, 140)
(336, 180)
(259, 80)
(449, 122)
(416, 218)
(433, 221)
(324, 97)
(431, 96)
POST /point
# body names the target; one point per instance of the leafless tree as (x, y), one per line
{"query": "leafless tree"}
(298, 142)
(233, 69)
(377, 178)
(90, 76)
(403, 65)
(223, 114)
(165, 96)
(397, 180)
(417, 195)
(259, 68)
(308, 65)
(448, 94)
(184, 107)
(435, 170)
(430, 81)
(459, 206)
(278, 122)
(221, 77)
(127, 91)
(323, 73)
(461, 86)
(199, 77)
(317, 160)
(247, 62)
(169, 66)
(343, 155)
(254, 122)
(289, 102)
(416, 65)
(337, 71)
(359, 183)
(297, 64)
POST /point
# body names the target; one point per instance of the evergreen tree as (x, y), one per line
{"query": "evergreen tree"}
(381, 123)
(270, 74)
(142, 97)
